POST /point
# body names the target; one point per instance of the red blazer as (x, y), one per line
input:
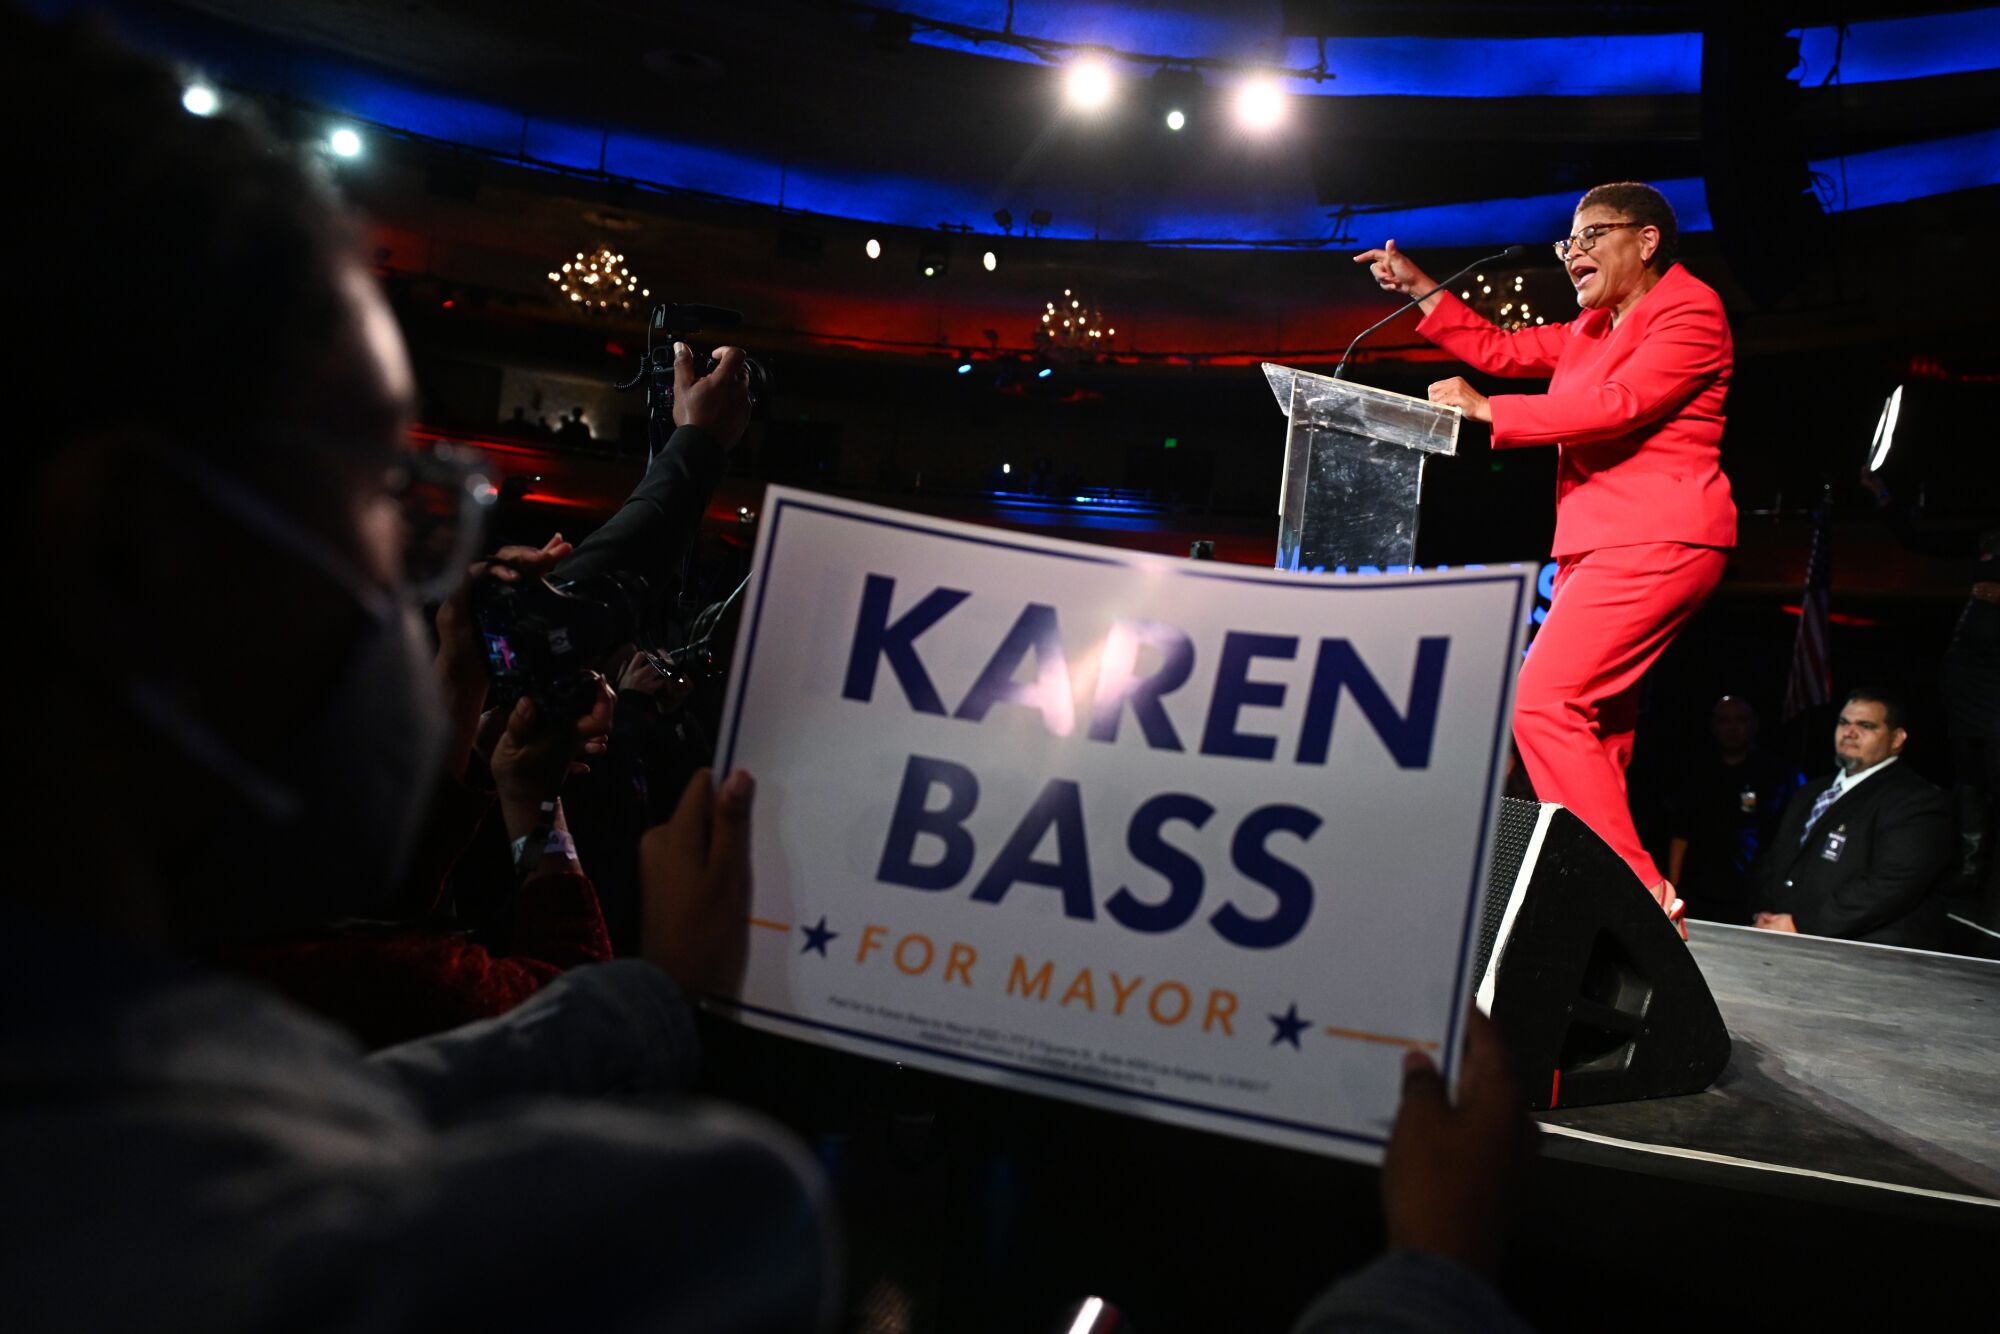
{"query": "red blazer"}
(1635, 412)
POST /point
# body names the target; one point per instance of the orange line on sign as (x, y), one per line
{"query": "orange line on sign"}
(1359, 1036)
(770, 926)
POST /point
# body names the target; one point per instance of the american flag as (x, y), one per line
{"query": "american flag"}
(1811, 682)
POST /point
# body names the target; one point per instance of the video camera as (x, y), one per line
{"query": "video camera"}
(680, 322)
(544, 637)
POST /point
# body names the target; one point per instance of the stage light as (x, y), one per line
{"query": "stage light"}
(1006, 469)
(1260, 103)
(965, 368)
(1092, 1307)
(1885, 430)
(874, 248)
(1174, 94)
(1087, 84)
(344, 142)
(200, 99)
(990, 260)
(934, 260)
(1045, 372)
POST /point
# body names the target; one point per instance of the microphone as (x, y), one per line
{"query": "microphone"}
(1511, 252)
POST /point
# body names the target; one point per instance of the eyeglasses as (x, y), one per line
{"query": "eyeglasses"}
(442, 494)
(1586, 240)
(445, 496)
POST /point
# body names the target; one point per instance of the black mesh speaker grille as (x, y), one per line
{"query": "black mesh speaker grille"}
(1510, 845)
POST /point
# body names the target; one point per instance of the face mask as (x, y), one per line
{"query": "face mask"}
(323, 830)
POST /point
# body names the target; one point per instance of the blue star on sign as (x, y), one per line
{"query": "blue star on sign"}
(1289, 1026)
(816, 938)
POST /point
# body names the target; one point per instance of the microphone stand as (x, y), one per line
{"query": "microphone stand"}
(1511, 252)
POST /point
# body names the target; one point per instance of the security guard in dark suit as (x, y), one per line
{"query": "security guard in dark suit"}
(1858, 854)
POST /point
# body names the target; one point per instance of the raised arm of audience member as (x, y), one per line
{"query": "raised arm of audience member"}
(1447, 1185)
(647, 535)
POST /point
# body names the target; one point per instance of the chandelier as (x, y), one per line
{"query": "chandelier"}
(1072, 326)
(1501, 298)
(598, 283)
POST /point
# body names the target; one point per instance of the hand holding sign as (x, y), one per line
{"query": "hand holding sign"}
(1453, 1167)
(694, 873)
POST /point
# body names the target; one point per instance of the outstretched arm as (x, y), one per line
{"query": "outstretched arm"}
(648, 534)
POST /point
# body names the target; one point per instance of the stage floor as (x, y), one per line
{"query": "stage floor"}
(1860, 1073)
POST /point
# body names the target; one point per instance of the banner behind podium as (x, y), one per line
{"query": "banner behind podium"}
(1188, 841)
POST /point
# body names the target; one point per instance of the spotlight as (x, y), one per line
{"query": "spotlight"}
(1885, 431)
(990, 260)
(965, 368)
(874, 248)
(1174, 94)
(200, 99)
(1006, 469)
(344, 143)
(934, 260)
(1260, 103)
(1045, 372)
(1087, 84)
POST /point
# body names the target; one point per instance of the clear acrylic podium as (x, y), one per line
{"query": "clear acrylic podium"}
(1354, 470)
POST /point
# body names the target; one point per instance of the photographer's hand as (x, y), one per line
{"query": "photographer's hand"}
(532, 758)
(694, 876)
(461, 657)
(718, 402)
(640, 677)
(1451, 1170)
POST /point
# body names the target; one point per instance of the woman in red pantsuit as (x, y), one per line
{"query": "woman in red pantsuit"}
(1644, 518)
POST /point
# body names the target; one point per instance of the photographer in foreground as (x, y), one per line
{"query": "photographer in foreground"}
(188, 1151)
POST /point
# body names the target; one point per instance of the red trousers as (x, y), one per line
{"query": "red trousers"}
(1615, 610)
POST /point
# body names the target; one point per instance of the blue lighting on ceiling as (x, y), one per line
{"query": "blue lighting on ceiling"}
(1577, 66)
(1915, 171)
(1659, 63)
(1508, 221)
(1912, 48)
(1447, 66)
(1278, 210)
(1884, 176)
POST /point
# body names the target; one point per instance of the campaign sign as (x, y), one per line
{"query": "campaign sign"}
(1188, 841)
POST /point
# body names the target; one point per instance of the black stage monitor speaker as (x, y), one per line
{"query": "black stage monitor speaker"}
(1596, 993)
